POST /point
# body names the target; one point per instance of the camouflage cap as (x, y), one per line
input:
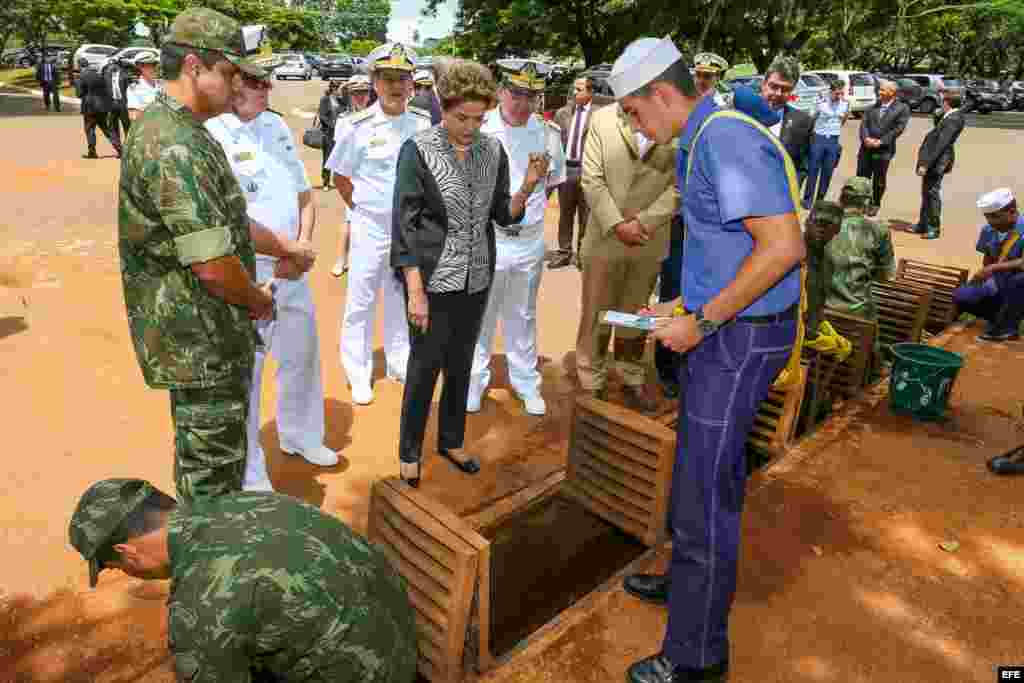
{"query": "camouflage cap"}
(208, 29)
(100, 512)
(827, 212)
(786, 66)
(857, 187)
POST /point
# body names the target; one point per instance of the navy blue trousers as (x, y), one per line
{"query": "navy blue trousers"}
(666, 361)
(824, 157)
(1000, 302)
(725, 379)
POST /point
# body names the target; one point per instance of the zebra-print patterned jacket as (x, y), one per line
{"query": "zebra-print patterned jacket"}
(445, 210)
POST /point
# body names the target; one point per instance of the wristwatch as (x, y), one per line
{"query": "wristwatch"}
(706, 327)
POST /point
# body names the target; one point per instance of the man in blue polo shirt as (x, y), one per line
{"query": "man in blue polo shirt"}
(741, 287)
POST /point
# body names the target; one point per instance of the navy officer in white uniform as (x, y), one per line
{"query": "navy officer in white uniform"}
(364, 163)
(263, 156)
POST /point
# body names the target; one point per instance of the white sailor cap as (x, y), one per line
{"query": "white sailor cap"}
(995, 200)
(641, 62)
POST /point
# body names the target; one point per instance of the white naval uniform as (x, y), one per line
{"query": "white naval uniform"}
(519, 261)
(264, 159)
(366, 146)
(141, 94)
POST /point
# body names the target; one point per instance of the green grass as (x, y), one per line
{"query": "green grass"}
(26, 78)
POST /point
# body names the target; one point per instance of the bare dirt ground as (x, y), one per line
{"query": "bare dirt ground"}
(878, 597)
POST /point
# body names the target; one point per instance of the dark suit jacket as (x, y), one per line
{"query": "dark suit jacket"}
(93, 92)
(40, 72)
(886, 128)
(564, 116)
(936, 153)
(110, 72)
(796, 135)
(428, 102)
(331, 106)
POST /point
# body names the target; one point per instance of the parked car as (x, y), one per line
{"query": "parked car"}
(860, 87)
(561, 88)
(294, 66)
(809, 91)
(314, 62)
(917, 97)
(96, 54)
(936, 82)
(985, 96)
(337, 66)
(128, 54)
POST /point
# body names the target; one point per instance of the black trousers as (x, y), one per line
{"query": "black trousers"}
(670, 286)
(119, 117)
(51, 92)
(931, 202)
(870, 165)
(101, 119)
(325, 150)
(447, 346)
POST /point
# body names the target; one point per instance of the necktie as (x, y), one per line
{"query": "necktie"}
(574, 151)
(48, 74)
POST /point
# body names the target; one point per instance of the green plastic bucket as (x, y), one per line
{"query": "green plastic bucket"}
(921, 379)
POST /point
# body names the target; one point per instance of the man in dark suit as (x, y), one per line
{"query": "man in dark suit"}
(116, 77)
(48, 76)
(879, 129)
(426, 96)
(796, 129)
(574, 121)
(934, 160)
(95, 109)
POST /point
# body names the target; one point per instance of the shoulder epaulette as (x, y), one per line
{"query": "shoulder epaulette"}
(419, 112)
(359, 116)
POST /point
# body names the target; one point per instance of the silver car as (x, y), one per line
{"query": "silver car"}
(809, 91)
(294, 67)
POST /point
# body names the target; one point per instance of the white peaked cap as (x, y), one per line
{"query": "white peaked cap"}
(641, 62)
(995, 200)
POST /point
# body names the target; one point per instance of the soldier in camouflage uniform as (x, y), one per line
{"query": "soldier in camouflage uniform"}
(187, 261)
(263, 586)
(860, 254)
(823, 224)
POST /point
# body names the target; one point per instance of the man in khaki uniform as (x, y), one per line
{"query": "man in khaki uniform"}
(629, 184)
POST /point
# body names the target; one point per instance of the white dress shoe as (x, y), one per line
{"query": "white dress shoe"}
(362, 395)
(534, 404)
(259, 483)
(320, 455)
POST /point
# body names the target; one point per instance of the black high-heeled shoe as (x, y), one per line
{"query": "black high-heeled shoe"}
(410, 473)
(470, 465)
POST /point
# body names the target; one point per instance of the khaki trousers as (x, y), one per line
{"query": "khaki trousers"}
(617, 278)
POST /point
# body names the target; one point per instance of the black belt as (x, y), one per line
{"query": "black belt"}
(573, 164)
(788, 314)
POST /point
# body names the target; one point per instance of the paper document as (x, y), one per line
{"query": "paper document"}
(637, 322)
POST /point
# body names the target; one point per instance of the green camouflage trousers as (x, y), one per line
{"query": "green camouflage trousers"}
(209, 439)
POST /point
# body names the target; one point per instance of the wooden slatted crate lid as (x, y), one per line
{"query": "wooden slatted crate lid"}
(848, 378)
(442, 560)
(942, 280)
(902, 311)
(620, 467)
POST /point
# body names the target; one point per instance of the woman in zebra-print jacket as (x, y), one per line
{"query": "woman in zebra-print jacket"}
(452, 186)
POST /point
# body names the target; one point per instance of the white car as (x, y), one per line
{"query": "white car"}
(860, 87)
(96, 54)
(294, 67)
(129, 54)
(810, 90)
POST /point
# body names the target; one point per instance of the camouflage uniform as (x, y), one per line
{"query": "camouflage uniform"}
(860, 254)
(180, 205)
(819, 267)
(267, 588)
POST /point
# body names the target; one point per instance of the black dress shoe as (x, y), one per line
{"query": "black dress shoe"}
(560, 261)
(997, 336)
(638, 400)
(1011, 462)
(652, 588)
(470, 465)
(410, 473)
(659, 669)
(917, 229)
(90, 155)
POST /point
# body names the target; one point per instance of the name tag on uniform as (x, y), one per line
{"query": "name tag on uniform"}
(377, 142)
(241, 157)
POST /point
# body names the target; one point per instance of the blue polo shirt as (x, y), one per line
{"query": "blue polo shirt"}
(990, 241)
(737, 173)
